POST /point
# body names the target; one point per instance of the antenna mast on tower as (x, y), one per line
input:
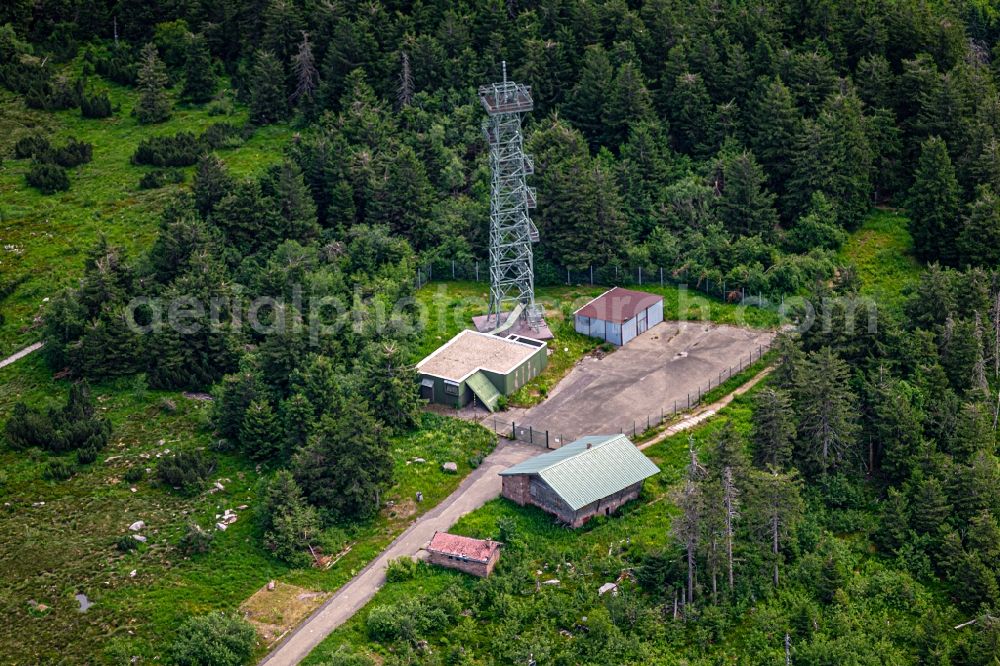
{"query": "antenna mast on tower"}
(512, 272)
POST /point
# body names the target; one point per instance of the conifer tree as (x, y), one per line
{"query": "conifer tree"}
(404, 90)
(199, 76)
(390, 385)
(933, 204)
(346, 464)
(628, 103)
(306, 74)
(979, 238)
(776, 510)
(773, 126)
(692, 116)
(827, 413)
(260, 437)
(743, 205)
(773, 428)
(587, 100)
(268, 103)
(154, 104)
(212, 183)
(401, 197)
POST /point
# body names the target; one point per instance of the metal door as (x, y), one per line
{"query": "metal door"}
(641, 323)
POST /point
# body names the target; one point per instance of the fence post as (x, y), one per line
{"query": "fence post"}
(477, 271)
(640, 276)
(546, 439)
(513, 431)
(592, 275)
(689, 401)
(633, 429)
(452, 269)
(567, 275)
(531, 435)
(616, 274)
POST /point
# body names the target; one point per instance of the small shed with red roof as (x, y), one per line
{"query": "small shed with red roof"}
(618, 315)
(473, 556)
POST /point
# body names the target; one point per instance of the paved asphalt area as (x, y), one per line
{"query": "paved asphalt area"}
(661, 366)
(479, 487)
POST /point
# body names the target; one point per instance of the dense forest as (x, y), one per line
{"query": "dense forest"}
(734, 141)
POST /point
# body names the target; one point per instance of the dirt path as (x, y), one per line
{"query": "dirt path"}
(704, 413)
(17, 356)
(475, 490)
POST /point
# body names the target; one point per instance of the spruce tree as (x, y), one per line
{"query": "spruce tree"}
(390, 385)
(628, 103)
(306, 76)
(154, 104)
(775, 508)
(743, 205)
(401, 197)
(199, 76)
(979, 238)
(692, 116)
(827, 412)
(773, 428)
(212, 183)
(773, 125)
(260, 436)
(268, 103)
(933, 204)
(346, 464)
(587, 100)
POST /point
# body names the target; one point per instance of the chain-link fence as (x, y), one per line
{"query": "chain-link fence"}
(536, 433)
(608, 276)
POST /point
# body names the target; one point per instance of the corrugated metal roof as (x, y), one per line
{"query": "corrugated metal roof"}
(618, 305)
(484, 390)
(582, 475)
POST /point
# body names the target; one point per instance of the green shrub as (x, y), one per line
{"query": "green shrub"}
(31, 145)
(87, 455)
(47, 178)
(195, 540)
(401, 569)
(134, 474)
(126, 543)
(186, 470)
(73, 153)
(181, 149)
(215, 639)
(74, 426)
(96, 105)
(58, 469)
(222, 135)
(345, 657)
(157, 178)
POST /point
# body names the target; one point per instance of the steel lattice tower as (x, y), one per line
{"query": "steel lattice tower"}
(512, 272)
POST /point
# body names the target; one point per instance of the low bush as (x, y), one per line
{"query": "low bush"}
(222, 135)
(96, 105)
(216, 639)
(195, 540)
(31, 145)
(47, 178)
(401, 569)
(185, 471)
(58, 470)
(134, 474)
(181, 149)
(74, 426)
(158, 178)
(125, 543)
(72, 153)
(87, 455)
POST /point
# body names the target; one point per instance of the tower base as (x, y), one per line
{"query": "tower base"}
(486, 324)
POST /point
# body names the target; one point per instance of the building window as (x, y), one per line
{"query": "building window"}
(451, 388)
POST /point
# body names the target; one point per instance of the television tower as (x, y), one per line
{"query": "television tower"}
(512, 271)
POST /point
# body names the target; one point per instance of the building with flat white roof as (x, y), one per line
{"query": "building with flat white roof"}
(481, 366)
